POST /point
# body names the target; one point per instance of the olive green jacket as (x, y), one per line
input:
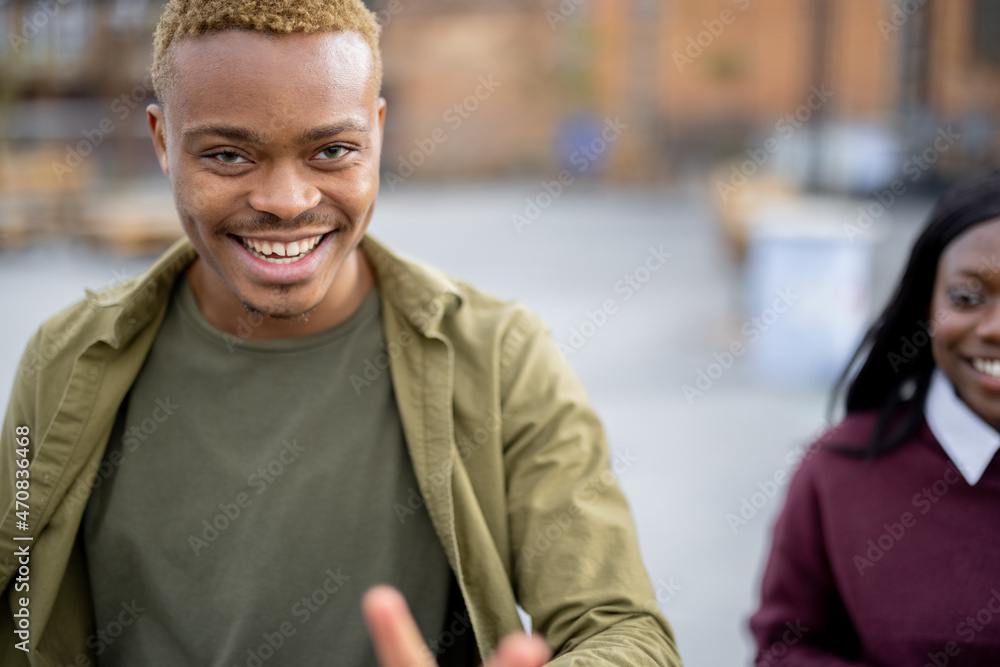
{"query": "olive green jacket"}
(511, 460)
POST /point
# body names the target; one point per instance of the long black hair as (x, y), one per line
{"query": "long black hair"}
(897, 363)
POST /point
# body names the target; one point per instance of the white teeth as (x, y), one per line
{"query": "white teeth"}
(289, 253)
(988, 366)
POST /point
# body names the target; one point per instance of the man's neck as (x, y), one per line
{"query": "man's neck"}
(225, 311)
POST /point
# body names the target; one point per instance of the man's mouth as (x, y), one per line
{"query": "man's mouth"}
(278, 252)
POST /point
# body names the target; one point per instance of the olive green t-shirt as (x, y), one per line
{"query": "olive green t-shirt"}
(249, 496)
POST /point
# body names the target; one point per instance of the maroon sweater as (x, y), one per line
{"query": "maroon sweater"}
(892, 562)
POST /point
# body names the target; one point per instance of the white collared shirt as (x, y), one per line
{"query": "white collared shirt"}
(969, 441)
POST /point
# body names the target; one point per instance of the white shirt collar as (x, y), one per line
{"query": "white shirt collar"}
(969, 441)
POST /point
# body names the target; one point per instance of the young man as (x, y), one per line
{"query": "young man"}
(229, 453)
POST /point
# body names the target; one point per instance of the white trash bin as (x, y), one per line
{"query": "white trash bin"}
(808, 291)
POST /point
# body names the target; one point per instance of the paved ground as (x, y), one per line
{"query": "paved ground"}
(694, 462)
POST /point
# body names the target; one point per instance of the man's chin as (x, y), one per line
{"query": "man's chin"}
(281, 314)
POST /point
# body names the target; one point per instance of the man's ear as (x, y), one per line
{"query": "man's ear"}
(158, 128)
(381, 116)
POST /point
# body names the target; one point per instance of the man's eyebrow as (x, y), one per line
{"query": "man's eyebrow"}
(320, 133)
(231, 132)
(248, 136)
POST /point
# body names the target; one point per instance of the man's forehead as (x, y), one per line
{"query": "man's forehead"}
(339, 58)
(285, 83)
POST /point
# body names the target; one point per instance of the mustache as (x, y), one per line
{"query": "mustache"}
(268, 222)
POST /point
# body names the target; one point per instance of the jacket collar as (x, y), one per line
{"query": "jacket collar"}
(422, 294)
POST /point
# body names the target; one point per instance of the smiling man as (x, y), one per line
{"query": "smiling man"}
(211, 482)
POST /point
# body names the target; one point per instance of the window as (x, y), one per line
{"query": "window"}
(986, 31)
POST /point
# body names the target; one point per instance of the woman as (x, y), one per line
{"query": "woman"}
(887, 551)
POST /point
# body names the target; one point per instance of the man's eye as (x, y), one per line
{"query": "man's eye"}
(228, 157)
(964, 296)
(332, 153)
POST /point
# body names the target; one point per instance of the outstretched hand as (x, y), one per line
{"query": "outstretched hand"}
(398, 642)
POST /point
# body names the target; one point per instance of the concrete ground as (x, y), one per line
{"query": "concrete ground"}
(693, 461)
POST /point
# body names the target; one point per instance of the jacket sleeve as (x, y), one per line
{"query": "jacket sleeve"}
(576, 565)
(802, 620)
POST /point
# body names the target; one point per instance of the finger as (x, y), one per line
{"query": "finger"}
(521, 651)
(397, 640)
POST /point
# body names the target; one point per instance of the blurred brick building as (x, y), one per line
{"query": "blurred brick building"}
(907, 65)
(514, 88)
(695, 80)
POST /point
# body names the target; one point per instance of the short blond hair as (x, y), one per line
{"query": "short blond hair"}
(188, 18)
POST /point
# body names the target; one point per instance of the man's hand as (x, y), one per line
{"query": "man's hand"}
(398, 642)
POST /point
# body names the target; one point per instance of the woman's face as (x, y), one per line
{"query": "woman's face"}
(966, 305)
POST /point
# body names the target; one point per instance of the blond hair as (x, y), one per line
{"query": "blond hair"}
(187, 18)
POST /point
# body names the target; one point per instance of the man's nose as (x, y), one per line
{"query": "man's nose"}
(286, 191)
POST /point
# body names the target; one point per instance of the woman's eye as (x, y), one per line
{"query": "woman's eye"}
(332, 153)
(228, 157)
(961, 296)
